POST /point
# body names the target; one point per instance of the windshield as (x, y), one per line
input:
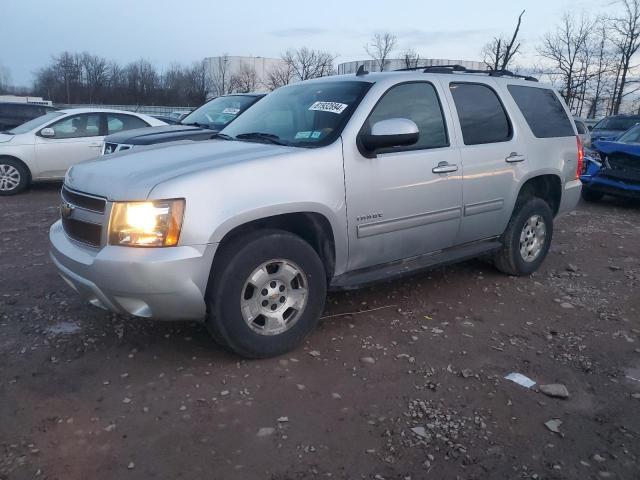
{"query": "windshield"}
(308, 114)
(631, 136)
(220, 111)
(616, 123)
(35, 123)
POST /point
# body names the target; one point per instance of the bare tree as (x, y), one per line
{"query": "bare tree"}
(565, 48)
(306, 63)
(499, 52)
(627, 41)
(279, 76)
(220, 76)
(245, 80)
(410, 58)
(196, 83)
(95, 74)
(380, 48)
(5, 78)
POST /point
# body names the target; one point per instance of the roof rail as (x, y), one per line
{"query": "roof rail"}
(461, 69)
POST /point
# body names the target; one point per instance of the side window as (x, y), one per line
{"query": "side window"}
(543, 111)
(482, 116)
(117, 122)
(418, 102)
(76, 126)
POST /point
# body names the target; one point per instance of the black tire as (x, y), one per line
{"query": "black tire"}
(508, 259)
(236, 262)
(24, 176)
(590, 195)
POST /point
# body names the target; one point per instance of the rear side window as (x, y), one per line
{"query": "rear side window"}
(581, 128)
(482, 116)
(119, 123)
(543, 111)
(418, 102)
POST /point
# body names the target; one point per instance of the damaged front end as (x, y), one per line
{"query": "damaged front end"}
(612, 168)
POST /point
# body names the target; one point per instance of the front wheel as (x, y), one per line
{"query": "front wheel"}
(14, 176)
(526, 241)
(590, 195)
(267, 294)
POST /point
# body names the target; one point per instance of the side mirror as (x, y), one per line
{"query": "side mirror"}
(394, 132)
(48, 132)
(590, 127)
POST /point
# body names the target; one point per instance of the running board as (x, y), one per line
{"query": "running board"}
(402, 268)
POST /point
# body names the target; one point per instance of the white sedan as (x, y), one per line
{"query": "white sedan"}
(44, 148)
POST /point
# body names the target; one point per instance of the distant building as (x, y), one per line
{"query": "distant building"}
(223, 70)
(32, 100)
(398, 63)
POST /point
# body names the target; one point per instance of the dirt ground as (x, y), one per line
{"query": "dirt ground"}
(412, 390)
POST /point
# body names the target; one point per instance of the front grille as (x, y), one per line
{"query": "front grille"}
(114, 147)
(81, 200)
(83, 232)
(622, 166)
(83, 216)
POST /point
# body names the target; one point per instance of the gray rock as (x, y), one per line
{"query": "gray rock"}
(367, 360)
(553, 425)
(266, 431)
(556, 390)
(572, 268)
(420, 431)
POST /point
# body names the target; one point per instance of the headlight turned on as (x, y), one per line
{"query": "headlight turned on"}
(146, 224)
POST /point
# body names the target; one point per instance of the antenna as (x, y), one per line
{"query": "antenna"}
(361, 71)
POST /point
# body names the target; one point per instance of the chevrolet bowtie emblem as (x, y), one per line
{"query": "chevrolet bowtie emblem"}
(66, 209)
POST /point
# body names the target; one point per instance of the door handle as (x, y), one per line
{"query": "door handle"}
(444, 167)
(514, 157)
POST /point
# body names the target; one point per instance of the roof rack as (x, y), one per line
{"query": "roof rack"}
(461, 69)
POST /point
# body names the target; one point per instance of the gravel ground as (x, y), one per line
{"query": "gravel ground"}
(414, 389)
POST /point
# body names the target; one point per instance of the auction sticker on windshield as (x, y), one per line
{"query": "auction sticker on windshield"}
(333, 107)
(231, 111)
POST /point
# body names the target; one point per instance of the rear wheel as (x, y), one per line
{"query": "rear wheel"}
(14, 176)
(590, 195)
(268, 292)
(526, 241)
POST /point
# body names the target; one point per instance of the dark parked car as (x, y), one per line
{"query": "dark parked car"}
(613, 167)
(611, 127)
(201, 124)
(13, 114)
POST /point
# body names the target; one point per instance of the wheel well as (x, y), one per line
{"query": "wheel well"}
(26, 167)
(312, 227)
(546, 187)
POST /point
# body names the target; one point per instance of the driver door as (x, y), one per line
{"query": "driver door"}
(405, 201)
(76, 138)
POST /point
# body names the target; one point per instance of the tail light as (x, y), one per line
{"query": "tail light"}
(580, 157)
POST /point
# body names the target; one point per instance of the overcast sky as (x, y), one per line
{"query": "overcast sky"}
(165, 31)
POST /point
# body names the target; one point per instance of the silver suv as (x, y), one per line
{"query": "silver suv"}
(331, 183)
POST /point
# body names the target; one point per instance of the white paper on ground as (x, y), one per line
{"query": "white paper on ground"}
(520, 379)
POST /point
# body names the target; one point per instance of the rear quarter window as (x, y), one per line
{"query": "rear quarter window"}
(543, 111)
(483, 119)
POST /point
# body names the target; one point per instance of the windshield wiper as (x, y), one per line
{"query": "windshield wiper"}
(264, 137)
(222, 136)
(199, 125)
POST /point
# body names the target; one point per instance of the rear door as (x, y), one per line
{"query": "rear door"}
(493, 153)
(77, 138)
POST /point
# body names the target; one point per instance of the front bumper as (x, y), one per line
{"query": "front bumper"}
(160, 283)
(610, 186)
(570, 196)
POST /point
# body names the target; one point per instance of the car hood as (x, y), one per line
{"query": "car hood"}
(131, 175)
(609, 147)
(4, 138)
(598, 134)
(167, 133)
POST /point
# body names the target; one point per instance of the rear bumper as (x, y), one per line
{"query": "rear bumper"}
(570, 196)
(159, 283)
